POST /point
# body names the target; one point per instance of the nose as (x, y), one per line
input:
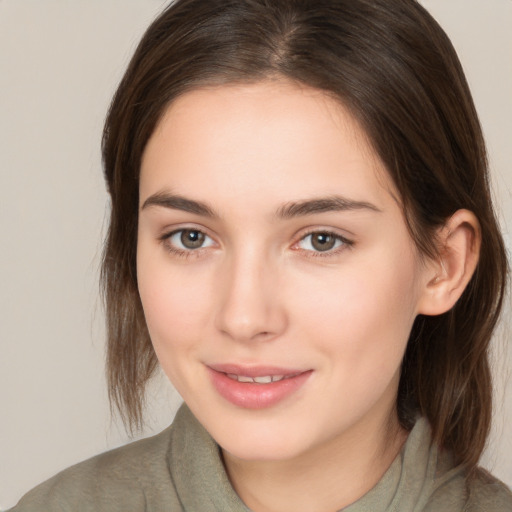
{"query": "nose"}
(250, 307)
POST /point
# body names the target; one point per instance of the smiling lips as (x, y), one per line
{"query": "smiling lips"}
(256, 387)
(267, 379)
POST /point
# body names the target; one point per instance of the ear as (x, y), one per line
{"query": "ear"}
(446, 277)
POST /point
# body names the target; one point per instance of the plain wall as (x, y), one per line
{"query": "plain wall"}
(60, 62)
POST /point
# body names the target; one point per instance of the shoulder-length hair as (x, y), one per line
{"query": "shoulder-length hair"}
(394, 68)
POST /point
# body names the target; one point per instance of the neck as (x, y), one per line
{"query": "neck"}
(325, 478)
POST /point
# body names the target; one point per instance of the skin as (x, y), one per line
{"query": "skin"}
(259, 292)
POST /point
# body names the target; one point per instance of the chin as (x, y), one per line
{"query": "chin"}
(262, 450)
(260, 439)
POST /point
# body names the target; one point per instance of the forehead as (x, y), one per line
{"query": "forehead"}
(274, 137)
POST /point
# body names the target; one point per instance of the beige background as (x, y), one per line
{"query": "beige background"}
(59, 64)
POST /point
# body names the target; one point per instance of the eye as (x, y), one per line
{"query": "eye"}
(322, 241)
(188, 240)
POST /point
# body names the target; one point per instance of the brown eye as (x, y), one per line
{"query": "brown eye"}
(192, 238)
(323, 242)
(186, 242)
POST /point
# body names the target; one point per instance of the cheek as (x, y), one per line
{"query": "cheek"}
(364, 313)
(176, 310)
(360, 325)
(176, 306)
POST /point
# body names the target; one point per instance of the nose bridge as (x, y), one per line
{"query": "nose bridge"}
(250, 306)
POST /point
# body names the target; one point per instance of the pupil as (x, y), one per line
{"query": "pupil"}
(192, 239)
(323, 241)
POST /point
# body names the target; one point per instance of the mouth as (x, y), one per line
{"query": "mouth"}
(264, 379)
(256, 387)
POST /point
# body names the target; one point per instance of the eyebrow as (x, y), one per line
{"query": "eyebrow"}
(176, 202)
(287, 211)
(322, 205)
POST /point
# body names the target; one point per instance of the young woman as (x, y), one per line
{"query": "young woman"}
(302, 236)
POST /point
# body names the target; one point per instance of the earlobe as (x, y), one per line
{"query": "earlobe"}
(447, 277)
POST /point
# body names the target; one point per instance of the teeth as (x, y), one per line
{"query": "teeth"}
(263, 380)
(266, 379)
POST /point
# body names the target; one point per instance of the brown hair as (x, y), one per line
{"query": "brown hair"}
(392, 65)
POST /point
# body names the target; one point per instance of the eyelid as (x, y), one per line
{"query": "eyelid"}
(167, 234)
(164, 238)
(347, 243)
(169, 230)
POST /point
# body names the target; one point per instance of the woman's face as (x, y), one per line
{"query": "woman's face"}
(276, 272)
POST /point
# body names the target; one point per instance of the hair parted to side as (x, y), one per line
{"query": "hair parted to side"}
(391, 64)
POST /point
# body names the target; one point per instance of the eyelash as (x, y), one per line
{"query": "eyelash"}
(165, 239)
(345, 244)
(190, 253)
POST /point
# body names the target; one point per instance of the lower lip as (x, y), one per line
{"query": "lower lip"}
(256, 396)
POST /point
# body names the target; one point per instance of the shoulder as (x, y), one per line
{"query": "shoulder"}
(445, 486)
(480, 492)
(487, 493)
(126, 478)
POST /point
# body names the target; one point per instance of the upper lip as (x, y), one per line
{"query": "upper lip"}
(254, 371)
